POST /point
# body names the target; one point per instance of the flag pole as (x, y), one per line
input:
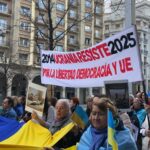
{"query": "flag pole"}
(107, 127)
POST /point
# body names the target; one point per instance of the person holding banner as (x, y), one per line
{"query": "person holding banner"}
(96, 136)
(63, 118)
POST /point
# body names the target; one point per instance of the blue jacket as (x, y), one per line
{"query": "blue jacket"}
(19, 110)
(9, 113)
(124, 139)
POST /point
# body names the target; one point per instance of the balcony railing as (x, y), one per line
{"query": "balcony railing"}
(145, 41)
(72, 42)
(23, 62)
(4, 27)
(8, 12)
(4, 43)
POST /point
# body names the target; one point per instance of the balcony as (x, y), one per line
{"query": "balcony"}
(145, 41)
(5, 12)
(73, 3)
(23, 62)
(72, 42)
(4, 44)
(4, 28)
(40, 6)
(41, 21)
(25, 13)
(145, 53)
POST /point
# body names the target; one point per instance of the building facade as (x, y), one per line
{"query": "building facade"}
(115, 22)
(24, 31)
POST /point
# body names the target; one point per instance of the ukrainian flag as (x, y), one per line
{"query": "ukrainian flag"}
(8, 127)
(32, 136)
(111, 131)
(80, 117)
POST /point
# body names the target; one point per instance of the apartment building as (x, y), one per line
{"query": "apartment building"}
(115, 22)
(24, 32)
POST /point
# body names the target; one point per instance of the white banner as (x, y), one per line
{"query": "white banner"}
(116, 58)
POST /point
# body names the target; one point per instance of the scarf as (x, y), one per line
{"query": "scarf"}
(58, 124)
(98, 138)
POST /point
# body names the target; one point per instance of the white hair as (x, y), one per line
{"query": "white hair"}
(65, 102)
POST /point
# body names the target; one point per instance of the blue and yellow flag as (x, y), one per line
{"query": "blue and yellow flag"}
(8, 127)
(80, 117)
(111, 131)
(32, 136)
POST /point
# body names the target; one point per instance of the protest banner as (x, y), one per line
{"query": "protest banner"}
(116, 58)
(35, 98)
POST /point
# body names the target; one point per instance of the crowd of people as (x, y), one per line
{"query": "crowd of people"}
(132, 126)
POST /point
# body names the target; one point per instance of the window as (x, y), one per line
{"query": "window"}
(60, 7)
(72, 2)
(97, 34)
(60, 22)
(96, 42)
(87, 28)
(87, 41)
(97, 10)
(59, 48)
(38, 59)
(41, 4)
(144, 35)
(25, 11)
(73, 28)
(88, 16)
(145, 60)
(2, 56)
(106, 27)
(40, 33)
(145, 24)
(117, 26)
(24, 42)
(40, 46)
(72, 39)
(106, 36)
(139, 34)
(40, 18)
(25, 26)
(98, 22)
(145, 47)
(72, 14)
(88, 4)
(3, 24)
(2, 40)
(59, 34)
(71, 49)
(3, 8)
(138, 22)
(23, 58)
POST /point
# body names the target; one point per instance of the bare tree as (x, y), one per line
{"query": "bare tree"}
(45, 9)
(48, 6)
(8, 70)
